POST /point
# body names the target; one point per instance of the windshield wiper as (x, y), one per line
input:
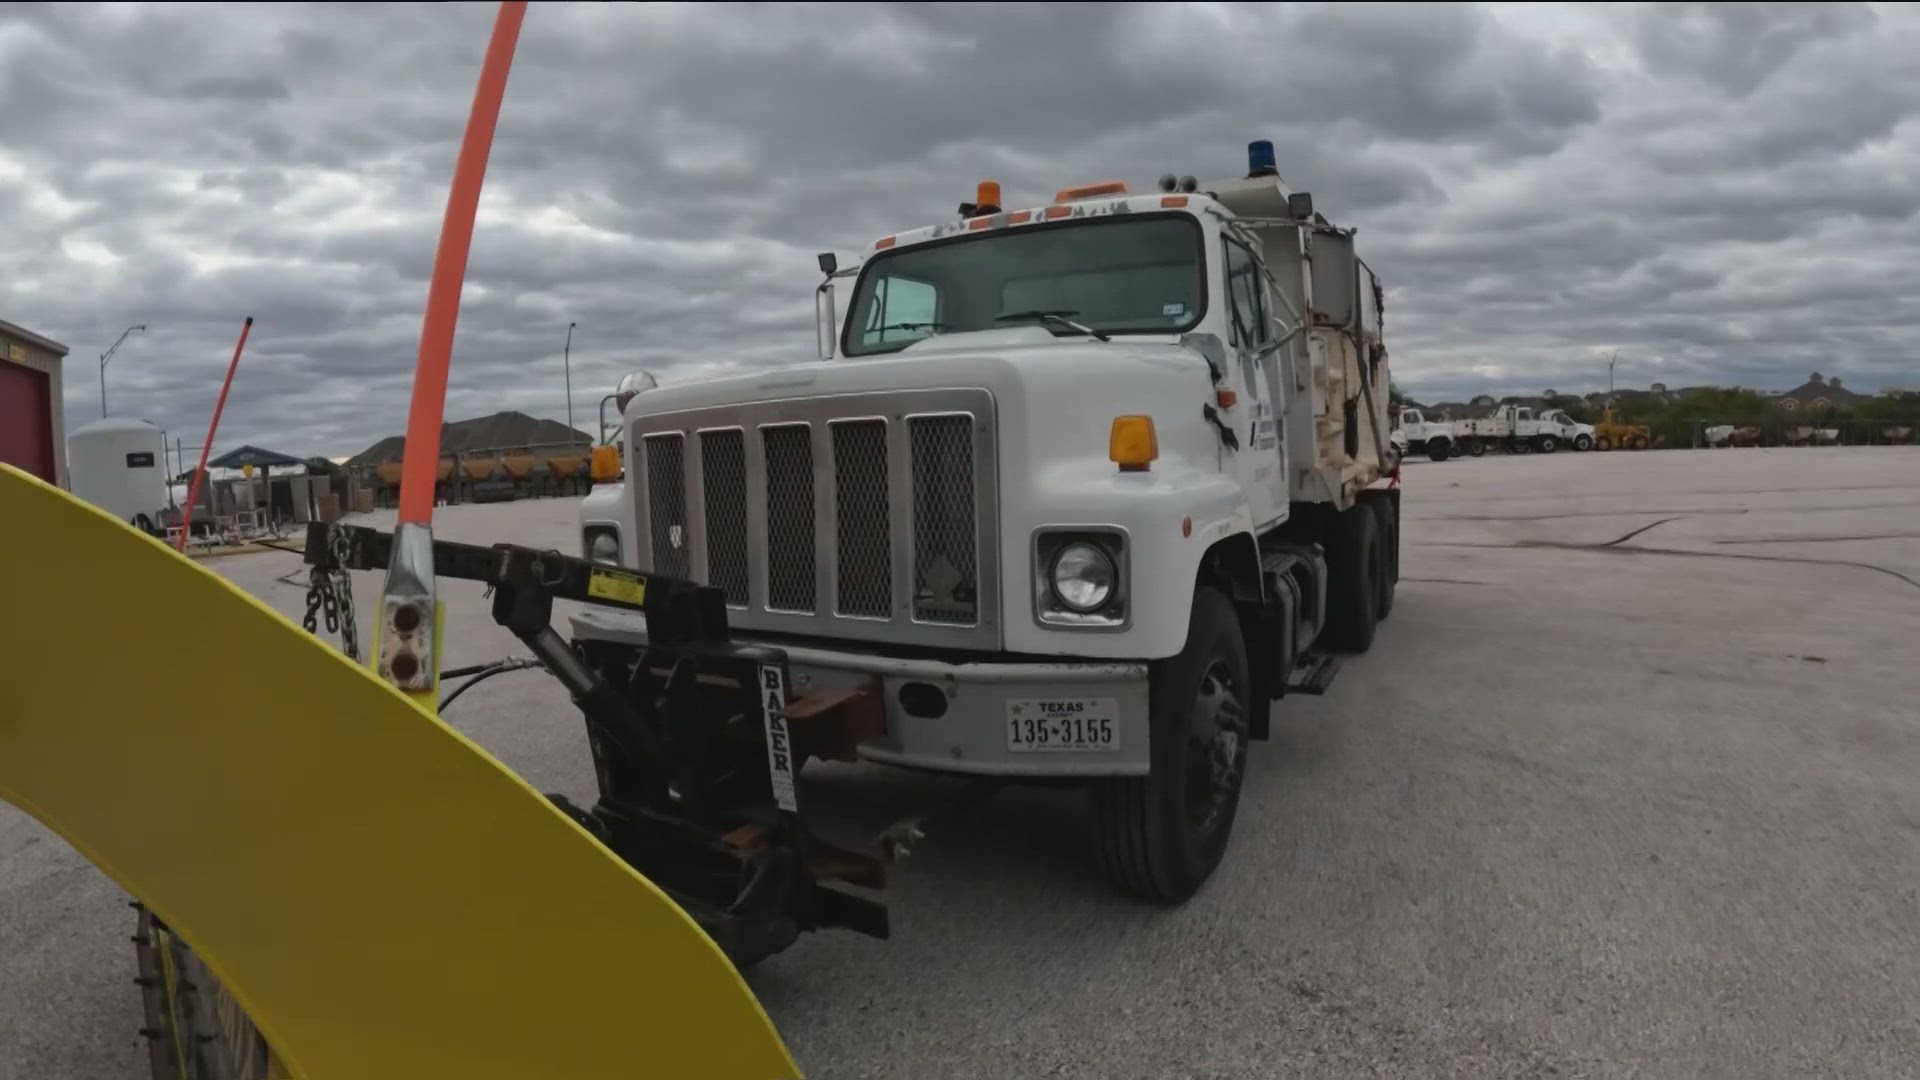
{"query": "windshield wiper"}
(1055, 318)
(936, 327)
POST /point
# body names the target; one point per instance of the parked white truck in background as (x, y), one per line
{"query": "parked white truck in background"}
(1434, 438)
(1517, 429)
(1093, 483)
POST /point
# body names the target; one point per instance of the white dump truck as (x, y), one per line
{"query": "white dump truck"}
(1519, 429)
(1434, 438)
(1089, 485)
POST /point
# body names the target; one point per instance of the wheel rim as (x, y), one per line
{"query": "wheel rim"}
(1216, 740)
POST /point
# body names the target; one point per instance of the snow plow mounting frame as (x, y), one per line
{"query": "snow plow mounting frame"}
(695, 742)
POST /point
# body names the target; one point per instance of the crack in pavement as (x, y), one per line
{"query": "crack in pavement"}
(1607, 549)
(1750, 491)
(1688, 511)
(1641, 529)
(1615, 513)
(1819, 539)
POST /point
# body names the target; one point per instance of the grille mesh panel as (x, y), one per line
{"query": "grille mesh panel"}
(723, 472)
(667, 503)
(790, 517)
(863, 535)
(945, 585)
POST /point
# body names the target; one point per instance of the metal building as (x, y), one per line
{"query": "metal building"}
(32, 433)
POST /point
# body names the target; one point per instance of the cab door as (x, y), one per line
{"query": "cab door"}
(1261, 463)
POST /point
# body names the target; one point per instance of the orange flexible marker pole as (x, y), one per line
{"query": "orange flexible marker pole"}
(408, 654)
(193, 492)
(418, 470)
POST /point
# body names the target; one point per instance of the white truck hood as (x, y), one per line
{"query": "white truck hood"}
(1041, 384)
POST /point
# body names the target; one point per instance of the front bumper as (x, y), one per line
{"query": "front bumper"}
(970, 738)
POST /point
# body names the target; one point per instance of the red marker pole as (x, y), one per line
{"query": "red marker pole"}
(193, 492)
(408, 655)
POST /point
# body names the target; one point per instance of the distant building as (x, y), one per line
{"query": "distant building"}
(1818, 392)
(33, 434)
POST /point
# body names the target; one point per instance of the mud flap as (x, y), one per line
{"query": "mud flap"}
(381, 896)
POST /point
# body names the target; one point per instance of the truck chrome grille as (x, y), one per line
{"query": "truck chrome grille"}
(871, 517)
(667, 503)
(723, 471)
(790, 559)
(864, 543)
(945, 588)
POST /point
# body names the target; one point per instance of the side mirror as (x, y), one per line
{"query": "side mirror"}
(829, 262)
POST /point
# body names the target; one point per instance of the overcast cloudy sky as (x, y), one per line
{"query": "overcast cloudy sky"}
(1722, 193)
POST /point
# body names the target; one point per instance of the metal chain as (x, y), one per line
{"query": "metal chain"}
(330, 598)
(343, 597)
(319, 597)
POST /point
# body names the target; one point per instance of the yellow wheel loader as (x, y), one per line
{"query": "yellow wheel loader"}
(1611, 434)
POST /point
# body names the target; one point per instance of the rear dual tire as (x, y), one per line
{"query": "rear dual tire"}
(1355, 563)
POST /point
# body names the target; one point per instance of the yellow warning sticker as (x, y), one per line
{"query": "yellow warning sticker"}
(617, 586)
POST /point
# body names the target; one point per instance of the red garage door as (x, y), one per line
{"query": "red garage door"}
(26, 420)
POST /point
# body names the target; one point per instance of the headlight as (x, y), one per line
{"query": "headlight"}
(603, 545)
(1083, 577)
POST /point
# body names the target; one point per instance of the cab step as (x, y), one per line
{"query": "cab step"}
(1313, 674)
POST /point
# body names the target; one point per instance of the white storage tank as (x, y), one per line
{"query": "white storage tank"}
(120, 466)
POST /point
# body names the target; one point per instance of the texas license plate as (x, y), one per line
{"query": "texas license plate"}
(1043, 724)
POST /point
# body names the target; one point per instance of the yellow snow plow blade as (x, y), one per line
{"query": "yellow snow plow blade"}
(381, 896)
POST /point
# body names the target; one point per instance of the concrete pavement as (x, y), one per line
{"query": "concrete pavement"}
(1629, 786)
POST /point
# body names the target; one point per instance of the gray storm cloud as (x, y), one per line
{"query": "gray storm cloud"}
(1724, 193)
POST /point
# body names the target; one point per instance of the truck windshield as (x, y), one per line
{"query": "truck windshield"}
(1119, 275)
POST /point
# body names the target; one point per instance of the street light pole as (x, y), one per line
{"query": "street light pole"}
(108, 355)
(1611, 358)
(566, 358)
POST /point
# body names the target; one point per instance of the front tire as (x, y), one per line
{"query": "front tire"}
(1583, 442)
(1160, 836)
(1438, 449)
(1603, 443)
